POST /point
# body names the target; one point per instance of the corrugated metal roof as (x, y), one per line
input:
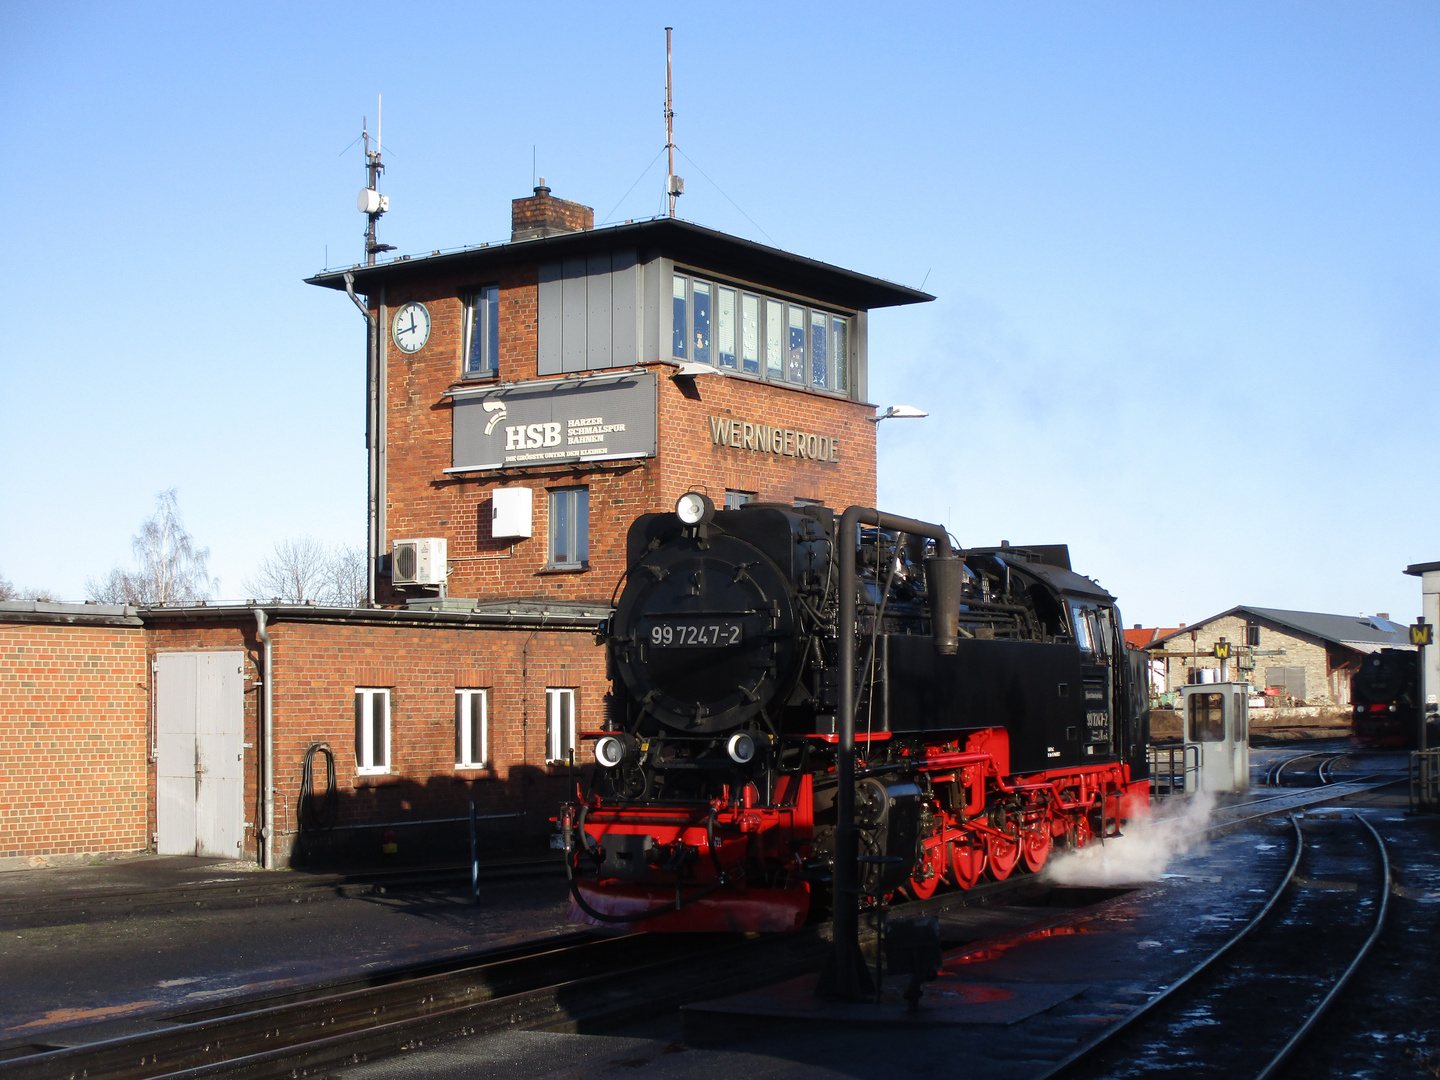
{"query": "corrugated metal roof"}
(1363, 633)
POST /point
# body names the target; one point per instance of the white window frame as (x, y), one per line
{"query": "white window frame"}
(467, 755)
(479, 313)
(579, 560)
(772, 327)
(365, 699)
(559, 708)
(735, 498)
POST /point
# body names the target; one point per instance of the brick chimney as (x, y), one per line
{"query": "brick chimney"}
(544, 215)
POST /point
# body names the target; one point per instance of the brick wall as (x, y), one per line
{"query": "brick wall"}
(317, 668)
(73, 739)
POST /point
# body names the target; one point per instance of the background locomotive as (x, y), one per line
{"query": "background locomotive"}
(979, 744)
(1385, 694)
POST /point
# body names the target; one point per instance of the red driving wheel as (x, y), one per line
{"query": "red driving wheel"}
(929, 871)
(967, 860)
(1003, 852)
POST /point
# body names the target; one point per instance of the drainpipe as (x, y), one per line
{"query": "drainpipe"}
(267, 742)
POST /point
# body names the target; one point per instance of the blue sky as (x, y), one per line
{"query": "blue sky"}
(1184, 256)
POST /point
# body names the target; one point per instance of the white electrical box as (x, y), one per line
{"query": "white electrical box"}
(510, 514)
(418, 562)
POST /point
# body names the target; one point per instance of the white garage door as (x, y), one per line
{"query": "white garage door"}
(200, 727)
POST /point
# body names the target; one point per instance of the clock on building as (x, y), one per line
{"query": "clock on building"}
(410, 327)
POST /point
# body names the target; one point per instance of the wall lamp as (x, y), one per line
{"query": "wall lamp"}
(899, 412)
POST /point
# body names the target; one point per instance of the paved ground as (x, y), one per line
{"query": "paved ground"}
(126, 968)
(1041, 994)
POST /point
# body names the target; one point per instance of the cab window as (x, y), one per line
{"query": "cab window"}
(1207, 717)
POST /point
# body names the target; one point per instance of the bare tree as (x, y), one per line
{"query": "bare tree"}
(349, 576)
(303, 569)
(172, 569)
(7, 590)
(296, 571)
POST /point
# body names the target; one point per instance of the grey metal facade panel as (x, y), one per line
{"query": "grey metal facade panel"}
(655, 316)
(548, 333)
(598, 312)
(624, 313)
(572, 316)
(555, 422)
(861, 346)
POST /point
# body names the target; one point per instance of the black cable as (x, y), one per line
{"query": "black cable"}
(307, 815)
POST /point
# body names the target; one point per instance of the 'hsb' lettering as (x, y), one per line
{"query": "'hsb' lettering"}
(529, 436)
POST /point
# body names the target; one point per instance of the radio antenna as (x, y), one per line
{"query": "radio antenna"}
(674, 185)
(371, 203)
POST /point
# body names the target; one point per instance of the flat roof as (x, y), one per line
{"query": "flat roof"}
(685, 242)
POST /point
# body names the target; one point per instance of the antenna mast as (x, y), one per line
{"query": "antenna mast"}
(674, 185)
(371, 203)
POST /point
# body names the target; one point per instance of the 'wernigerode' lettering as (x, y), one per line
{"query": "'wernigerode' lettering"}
(764, 439)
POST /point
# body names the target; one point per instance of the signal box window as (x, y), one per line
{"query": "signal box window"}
(736, 499)
(482, 333)
(570, 529)
(1207, 717)
(372, 730)
(1252, 634)
(559, 724)
(472, 729)
(731, 328)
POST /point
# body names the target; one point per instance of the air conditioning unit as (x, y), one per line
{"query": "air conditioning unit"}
(418, 562)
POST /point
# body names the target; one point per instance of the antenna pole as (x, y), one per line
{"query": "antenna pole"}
(372, 203)
(670, 178)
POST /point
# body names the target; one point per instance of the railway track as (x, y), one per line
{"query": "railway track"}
(1276, 969)
(590, 978)
(1320, 774)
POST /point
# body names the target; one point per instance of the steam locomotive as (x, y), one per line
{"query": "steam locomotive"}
(1385, 694)
(993, 708)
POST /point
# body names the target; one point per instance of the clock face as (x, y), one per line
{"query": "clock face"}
(411, 327)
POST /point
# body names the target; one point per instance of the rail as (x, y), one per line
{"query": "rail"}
(1425, 781)
(1171, 770)
(1096, 1057)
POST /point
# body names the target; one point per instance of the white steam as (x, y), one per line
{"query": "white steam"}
(1145, 849)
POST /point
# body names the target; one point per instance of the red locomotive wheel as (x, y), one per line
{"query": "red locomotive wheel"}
(967, 861)
(1035, 843)
(1003, 853)
(929, 873)
(1081, 833)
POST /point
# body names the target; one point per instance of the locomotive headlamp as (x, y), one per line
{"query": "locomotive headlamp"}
(609, 751)
(741, 748)
(694, 508)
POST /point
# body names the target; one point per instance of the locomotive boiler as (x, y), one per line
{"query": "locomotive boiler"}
(992, 706)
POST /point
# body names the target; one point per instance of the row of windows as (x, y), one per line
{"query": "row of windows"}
(759, 335)
(472, 728)
(716, 324)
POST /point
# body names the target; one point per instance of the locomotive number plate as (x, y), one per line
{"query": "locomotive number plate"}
(694, 634)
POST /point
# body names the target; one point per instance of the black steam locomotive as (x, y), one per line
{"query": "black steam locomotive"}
(995, 712)
(1385, 694)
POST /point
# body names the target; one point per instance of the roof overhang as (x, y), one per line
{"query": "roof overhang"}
(686, 243)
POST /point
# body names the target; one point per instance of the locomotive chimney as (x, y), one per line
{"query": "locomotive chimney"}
(942, 573)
